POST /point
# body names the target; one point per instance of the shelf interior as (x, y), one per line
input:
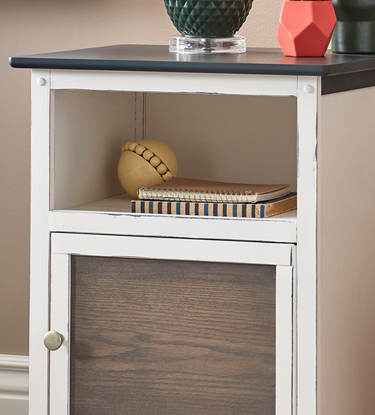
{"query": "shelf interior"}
(121, 204)
(243, 139)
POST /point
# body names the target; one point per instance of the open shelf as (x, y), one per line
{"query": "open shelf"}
(242, 139)
(112, 216)
(231, 138)
(121, 203)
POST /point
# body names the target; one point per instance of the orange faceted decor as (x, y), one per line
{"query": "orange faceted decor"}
(305, 27)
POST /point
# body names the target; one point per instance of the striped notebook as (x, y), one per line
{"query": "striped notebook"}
(233, 210)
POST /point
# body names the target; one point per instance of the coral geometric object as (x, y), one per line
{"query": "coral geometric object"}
(305, 27)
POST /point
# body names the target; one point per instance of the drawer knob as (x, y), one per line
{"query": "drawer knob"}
(53, 340)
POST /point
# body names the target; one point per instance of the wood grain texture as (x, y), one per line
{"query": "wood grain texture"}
(172, 337)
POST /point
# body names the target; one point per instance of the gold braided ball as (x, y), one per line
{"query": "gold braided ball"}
(145, 163)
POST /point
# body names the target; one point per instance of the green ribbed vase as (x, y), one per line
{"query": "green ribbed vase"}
(208, 18)
(355, 27)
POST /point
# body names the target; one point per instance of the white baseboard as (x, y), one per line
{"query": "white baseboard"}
(14, 377)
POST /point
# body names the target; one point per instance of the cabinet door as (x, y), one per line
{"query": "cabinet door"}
(154, 336)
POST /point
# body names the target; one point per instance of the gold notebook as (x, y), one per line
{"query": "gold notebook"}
(194, 190)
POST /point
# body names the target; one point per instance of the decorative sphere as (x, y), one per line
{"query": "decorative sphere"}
(137, 169)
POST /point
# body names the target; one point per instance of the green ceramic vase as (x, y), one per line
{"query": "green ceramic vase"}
(208, 18)
(355, 27)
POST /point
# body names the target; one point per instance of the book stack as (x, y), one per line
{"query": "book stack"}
(180, 196)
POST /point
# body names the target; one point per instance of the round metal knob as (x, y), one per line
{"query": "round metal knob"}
(53, 340)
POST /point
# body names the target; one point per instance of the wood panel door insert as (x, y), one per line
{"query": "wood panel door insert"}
(158, 337)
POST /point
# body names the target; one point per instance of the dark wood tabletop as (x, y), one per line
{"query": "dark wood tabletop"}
(158, 58)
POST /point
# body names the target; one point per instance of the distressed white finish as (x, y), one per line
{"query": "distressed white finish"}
(240, 84)
(40, 243)
(60, 318)
(307, 244)
(284, 340)
(170, 248)
(14, 377)
(104, 228)
(282, 228)
(65, 245)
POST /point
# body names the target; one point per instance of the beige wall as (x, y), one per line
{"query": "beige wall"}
(37, 26)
